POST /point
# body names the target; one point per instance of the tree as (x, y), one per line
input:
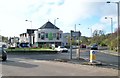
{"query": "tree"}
(98, 37)
(84, 40)
(4, 39)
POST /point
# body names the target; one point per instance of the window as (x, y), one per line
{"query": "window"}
(46, 35)
(38, 35)
(60, 35)
(42, 35)
(54, 35)
(57, 36)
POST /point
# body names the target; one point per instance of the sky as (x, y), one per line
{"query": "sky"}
(90, 14)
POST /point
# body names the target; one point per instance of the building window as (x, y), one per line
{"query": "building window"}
(46, 35)
(42, 35)
(57, 36)
(60, 35)
(38, 35)
(54, 35)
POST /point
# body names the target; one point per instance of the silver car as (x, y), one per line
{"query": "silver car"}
(3, 54)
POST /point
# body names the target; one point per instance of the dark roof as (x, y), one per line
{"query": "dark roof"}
(30, 31)
(48, 25)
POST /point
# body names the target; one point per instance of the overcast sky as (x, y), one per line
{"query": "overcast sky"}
(88, 13)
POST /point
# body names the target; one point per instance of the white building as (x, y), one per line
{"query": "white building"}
(24, 38)
(66, 37)
(13, 41)
(48, 34)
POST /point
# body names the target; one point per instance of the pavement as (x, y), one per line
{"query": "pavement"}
(51, 68)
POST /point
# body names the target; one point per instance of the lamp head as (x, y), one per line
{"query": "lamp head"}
(108, 2)
(105, 17)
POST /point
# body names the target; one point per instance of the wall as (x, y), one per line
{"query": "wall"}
(48, 31)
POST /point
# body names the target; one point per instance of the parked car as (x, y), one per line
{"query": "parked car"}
(74, 47)
(3, 54)
(82, 46)
(94, 47)
(61, 49)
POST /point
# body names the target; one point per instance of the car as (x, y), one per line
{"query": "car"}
(82, 46)
(74, 47)
(94, 47)
(3, 54)
(61, 49)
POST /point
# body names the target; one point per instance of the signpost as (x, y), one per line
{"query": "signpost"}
(74, 34)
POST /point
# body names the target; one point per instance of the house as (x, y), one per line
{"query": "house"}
(24, 38)
(27, 39)
(48, 34)
(13, 41)
(66, 39)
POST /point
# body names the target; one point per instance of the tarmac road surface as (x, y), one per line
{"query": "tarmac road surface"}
(35, 65)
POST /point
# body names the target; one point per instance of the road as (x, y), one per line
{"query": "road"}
(109, 59)
(41, 65)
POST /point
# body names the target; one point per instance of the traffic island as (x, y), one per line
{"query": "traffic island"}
(30, 50)
(73, 61)
(62, 60)
(93, 63)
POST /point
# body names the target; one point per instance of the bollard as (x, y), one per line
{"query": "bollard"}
(93, 52)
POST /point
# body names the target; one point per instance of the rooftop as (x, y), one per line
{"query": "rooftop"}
(48, 25)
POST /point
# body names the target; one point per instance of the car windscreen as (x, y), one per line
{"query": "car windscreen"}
(61, 47)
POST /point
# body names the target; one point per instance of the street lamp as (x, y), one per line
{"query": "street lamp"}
(54, 29)
(55, 21)
(118, 11)
(30, 32)
(29, 21)
(75, 31)
(111, 23)
(91, 31)
(75, 26)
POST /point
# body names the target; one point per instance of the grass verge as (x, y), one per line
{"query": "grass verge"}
(31, 50)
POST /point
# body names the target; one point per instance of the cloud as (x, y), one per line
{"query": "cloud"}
(105, 24)
(13, 13)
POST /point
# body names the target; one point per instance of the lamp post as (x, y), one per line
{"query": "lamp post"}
(29, 21)
(118, 11)
(75, 26)
(90, 31)
(30, 32)
(111, 23)
(54, 29)
(75, 37)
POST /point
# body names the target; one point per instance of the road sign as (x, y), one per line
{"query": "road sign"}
(74, 34)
